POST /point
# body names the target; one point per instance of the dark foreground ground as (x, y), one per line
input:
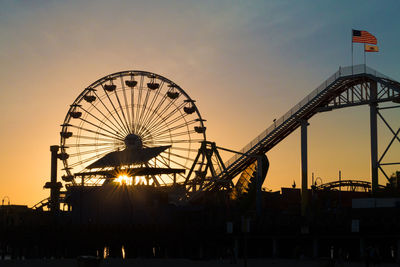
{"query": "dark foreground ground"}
(187, 263)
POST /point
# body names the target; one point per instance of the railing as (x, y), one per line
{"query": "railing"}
(342, 72)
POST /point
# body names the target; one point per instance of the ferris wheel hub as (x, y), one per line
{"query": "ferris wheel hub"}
(133, 141)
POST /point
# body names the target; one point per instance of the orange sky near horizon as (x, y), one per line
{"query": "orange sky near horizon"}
(233, 59)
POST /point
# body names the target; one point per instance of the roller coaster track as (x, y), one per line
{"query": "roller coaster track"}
(349, 86)
(350, 185)
(45, 203)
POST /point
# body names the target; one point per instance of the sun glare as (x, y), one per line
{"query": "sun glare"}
(124, 179)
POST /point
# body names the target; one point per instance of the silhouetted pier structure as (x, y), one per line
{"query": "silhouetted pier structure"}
(133, 179)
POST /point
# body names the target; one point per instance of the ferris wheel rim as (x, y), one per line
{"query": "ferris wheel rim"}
(121, 75)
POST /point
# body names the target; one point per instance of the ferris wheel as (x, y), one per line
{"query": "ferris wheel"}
(131, 121)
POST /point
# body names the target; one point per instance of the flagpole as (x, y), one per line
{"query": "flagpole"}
(352, 52)
(365, 60)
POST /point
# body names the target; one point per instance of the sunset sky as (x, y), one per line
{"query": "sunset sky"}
(244, 62)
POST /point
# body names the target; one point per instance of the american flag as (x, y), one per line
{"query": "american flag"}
(363, 37)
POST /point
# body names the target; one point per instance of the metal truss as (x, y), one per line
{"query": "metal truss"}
(395, 137)
(359, 93)
(349, 86)
(368, 91)
(205, 167)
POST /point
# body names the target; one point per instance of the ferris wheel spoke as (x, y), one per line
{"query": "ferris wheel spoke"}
(178, 141)
(165, 163)
(91, 131)
(170, 119)
(139, 103)
(107, 118)
(122, 111)
(159, 119)
(155, 180)
(178, 174)
(150, 108)
(155, 112)
(126, 103)
(96, 118)
(180, 156)
(109, 112)
(133, 109)
(173, 161)
(75, 164)
(157, 115)
(115, 110)
(183, 149)
(160, 160)
(92, 138)
(152, 135)
(173, 135)
(159, 126)
(91, 144)
(186, 124)
(159, 177)
(145, 108)
(101, 128)
(166, 160)
(81, 153)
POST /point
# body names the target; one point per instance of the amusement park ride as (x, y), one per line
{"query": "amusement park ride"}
(139, 128)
